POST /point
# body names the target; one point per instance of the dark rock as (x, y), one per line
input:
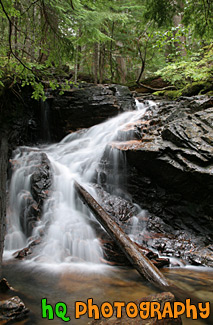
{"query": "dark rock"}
(13, 309)
(4, 286)
(86, 106)
(41, 180)
(27, 250)
(169, 172)
(122, 212)
(31, 122)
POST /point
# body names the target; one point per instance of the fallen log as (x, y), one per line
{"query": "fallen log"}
(135, 255)
(157, 89)
(142, 264)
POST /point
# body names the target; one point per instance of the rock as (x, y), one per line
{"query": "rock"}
(170, 173)
(4, 286)
(122, 212)
(13, 309)
(31, 122)
(41, 180)
(86, 106)
(21, 254)
(32, 201)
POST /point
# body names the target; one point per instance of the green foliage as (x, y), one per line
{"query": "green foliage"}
(120, 39)
(161, 11)
(193, 69)
(198, 16)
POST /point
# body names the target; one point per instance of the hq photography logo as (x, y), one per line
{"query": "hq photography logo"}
(118, 309)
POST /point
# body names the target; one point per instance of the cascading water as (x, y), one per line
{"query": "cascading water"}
(65, 222)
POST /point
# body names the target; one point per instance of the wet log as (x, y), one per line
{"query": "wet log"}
(141, 263)
(135, 255)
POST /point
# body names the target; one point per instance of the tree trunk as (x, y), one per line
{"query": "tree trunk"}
(101, 63)
(3, 179)
(111, 50)
(121, 68)
(143, 265)
(177, 20)
(95, 63)
(141, 71)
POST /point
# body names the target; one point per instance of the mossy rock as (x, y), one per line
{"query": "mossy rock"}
(159, 93)
(194, 88)
(208, 87)
(171, 94)
(209, 93)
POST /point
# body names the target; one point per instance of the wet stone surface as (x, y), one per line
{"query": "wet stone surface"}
(13, 310)
(169, 172)
(32, 201)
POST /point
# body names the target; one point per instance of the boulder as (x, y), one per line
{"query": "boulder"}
(13, 310)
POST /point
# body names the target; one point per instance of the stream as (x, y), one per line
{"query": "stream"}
(67, 265)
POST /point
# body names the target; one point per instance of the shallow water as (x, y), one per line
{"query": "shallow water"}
(110, 284)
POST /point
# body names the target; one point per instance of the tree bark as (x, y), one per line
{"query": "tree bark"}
(95, 63)
(143, 265)
(111, 50)
(3, 179)
(101, 63)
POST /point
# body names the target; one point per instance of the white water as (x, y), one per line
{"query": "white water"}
(65, 223)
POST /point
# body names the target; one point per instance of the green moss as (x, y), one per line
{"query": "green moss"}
(208, 88)
(209, 93)
(193, 88)
(159, 93)
(173, 94)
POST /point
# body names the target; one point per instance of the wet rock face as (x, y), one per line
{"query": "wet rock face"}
(40, 186)
(86, 106)
(170, 173)
(171, 166)
(31, 122)
(41, 180)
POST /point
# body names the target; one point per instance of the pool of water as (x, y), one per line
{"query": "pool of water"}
(103, 283)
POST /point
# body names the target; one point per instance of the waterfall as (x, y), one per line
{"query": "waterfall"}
(65, 225)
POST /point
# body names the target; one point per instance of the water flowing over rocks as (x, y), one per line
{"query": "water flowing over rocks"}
(86, 106)
(31, 181)
(31, 122)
